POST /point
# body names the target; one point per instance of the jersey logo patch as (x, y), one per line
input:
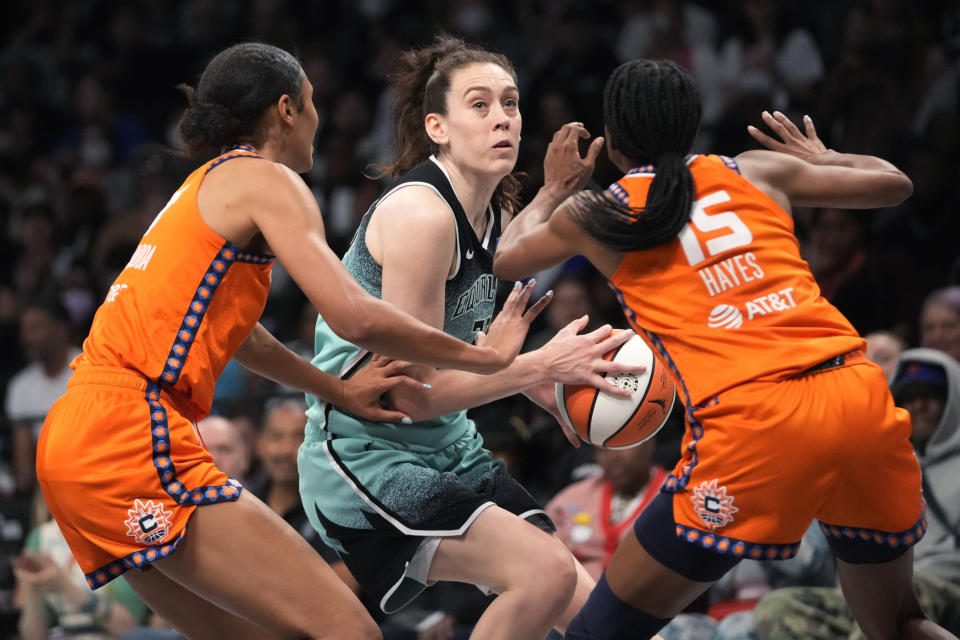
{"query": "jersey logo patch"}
(469, 254)
(726, 316)
(713, 505)
(148, 522)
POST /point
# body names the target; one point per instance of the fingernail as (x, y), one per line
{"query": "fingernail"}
(549, 293)
(532, 282)
(517, 284)
(406, 421)
(427, 386)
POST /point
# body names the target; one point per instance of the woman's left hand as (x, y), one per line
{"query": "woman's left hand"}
(804, 145)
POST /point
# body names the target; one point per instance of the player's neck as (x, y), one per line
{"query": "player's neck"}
(473, 190)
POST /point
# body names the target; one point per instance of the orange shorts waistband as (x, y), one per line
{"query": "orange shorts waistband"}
(126, 379)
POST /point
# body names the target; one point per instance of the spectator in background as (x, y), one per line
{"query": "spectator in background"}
(278, 481)
(940, 321)
(683, 32)
(594, 514)
(55, 600)
(873, 293)
(927, 384)
(45, 336)
(884, 349)
(571, 300)
(226, 444)
(770, 56)
(36, 250)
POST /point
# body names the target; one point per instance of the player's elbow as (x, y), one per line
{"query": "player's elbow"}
(353, 322)
(505, 268)
(358, 330)
(900, 188)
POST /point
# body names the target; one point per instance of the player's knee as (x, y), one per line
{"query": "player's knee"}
(555, 561)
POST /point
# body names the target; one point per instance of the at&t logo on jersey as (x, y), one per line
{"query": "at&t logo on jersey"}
(148, 522)
(713, 505)
(727, 316)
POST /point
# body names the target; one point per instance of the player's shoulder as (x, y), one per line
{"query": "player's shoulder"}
(254, 179)
(415, 204)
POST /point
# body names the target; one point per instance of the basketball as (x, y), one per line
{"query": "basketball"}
(615, 423)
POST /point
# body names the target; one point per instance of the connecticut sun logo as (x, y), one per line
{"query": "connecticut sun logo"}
(713, 505)
(148, 521)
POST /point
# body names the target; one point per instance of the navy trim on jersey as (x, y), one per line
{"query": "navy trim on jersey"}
(240, 151)
(731, 163)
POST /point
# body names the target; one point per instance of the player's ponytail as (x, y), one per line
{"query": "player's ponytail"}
(420, 85)
(233, 93)
(651, 112)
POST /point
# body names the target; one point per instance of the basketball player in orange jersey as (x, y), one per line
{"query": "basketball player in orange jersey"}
(119, 461)
(786, 419)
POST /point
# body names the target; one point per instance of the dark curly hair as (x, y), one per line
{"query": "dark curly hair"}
(651, 109)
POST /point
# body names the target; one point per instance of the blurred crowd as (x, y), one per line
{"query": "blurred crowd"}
(88, 157)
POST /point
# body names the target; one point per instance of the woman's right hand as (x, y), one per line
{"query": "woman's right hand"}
(508, 330)
(574, 358)
(562, 163)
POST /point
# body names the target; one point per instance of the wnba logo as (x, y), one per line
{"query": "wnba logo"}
(725, 316)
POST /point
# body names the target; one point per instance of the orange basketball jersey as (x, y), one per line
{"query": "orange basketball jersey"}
(730, 299)
(183, 304)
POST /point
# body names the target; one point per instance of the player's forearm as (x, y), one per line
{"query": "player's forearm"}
(382, 328)
(888, 185)
(532, 216)
(454, 390)
(263, 354)
(854, 161)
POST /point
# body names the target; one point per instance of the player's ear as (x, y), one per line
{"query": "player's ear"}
(286, 109)
(436, 127)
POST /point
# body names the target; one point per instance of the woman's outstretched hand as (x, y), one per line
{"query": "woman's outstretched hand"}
(509, 329)
(806, 146)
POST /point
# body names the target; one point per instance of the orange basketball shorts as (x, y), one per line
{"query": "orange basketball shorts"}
(762, 460)
(122, 471)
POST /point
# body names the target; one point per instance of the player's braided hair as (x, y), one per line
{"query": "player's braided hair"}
(651, 109)
(421, 84)
(233, 92)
